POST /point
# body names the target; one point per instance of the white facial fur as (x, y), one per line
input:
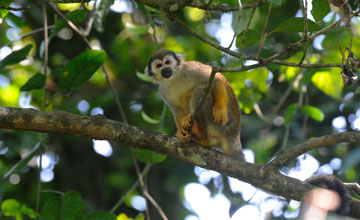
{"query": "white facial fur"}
(158, 65)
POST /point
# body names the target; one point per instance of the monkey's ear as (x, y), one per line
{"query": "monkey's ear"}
(179, 58)
(147, 72)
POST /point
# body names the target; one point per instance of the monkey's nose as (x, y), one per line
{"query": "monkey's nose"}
(166, 72)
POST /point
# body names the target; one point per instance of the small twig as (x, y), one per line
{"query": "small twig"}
(119, 106)
(115, 94)
(208, 4)
(24, 7)
(28, 34)
(299, 104)
(39, 187)
(90, 22)
(152, 25)
(205, 39)
(70, 24)
(214, 70)
(142, 184)
(223, 8)
(260, 113)
(316, 65)
(53, 191)
(282, 100)
(134, 185)
(46, 58)
(122, 199)
(263, 62)
(237, 25)
(304, 10)
(245, 33)
(350, 52)
(314, 143)
(145, 190)
(263, 34)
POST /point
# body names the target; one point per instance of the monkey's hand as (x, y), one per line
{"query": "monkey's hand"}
(182, 134)
(220, 113)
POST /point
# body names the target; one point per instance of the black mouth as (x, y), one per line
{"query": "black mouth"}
(166, 72)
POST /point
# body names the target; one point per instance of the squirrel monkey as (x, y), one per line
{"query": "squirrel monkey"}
(182, 84)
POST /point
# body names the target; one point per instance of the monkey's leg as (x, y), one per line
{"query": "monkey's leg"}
(181, 133)
(198, 134)
(219, 109)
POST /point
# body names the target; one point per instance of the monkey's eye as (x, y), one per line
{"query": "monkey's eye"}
(167, 62)
(159, 65)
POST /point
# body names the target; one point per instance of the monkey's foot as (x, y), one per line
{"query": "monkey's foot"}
(186, 121)
(220, 114)
(183, 135)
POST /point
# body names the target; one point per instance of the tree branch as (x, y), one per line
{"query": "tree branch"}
(98, 127)
(323, 141)
(262, 61)
(224, 8)
(264, 176)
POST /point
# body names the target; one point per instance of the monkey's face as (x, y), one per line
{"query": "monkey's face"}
(163, 67)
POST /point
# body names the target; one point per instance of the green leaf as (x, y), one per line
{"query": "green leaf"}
(12, 207)
(6, 3)
(27, 211)
(100, 14)
(76, 17)
(252, 37)
(71, 206)
(140, 216)
(35, 82)
(50, 210)
(320, 9)
(98, 215)
(81, 68)
(148, 119)
(138, 29)
(329, 82)
(310, 72)
(16, 56)
(357, 91)
(149, 156)
(289, 113)
(143, 77)
(313, 112)
(24, 161)
(296, 25)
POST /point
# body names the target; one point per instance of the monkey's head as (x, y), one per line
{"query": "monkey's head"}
(163, 65)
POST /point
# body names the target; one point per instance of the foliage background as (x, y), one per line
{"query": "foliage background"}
(127, 37)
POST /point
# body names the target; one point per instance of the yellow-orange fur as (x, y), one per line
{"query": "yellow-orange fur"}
(181, 84)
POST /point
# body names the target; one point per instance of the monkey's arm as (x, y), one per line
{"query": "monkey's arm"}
(219, 109)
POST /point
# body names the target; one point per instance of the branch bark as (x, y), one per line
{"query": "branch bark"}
(323, 141)
(264, 176)
(99, 127)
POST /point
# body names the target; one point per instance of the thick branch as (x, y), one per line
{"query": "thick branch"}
(98, 127)
(293, 152)
(265, 176)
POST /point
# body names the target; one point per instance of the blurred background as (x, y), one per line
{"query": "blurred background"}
(282, 106)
